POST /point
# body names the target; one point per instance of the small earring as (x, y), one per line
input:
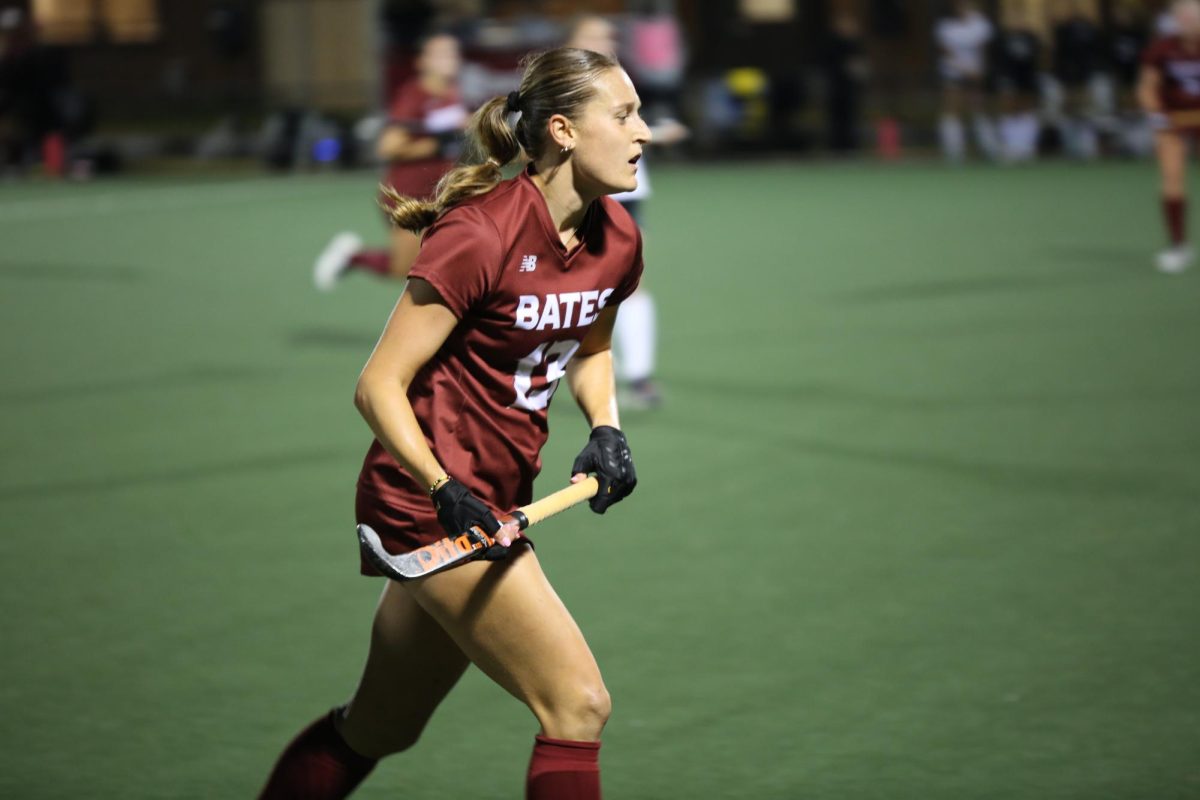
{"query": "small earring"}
(566, 149)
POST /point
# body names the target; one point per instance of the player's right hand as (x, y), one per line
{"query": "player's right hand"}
(458, 511)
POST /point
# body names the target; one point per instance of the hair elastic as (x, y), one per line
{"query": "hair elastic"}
(514, 102)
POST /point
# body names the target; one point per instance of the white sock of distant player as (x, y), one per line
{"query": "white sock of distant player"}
(1028, 126)
(985, 135)
(1080, 138)
(953, 138)
(1010, 138)
(1089, 142)
(1018, 136)
(634, 337)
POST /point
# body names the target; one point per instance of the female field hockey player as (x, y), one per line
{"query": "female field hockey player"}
(963, 38)
(1168, 89)
(516, 286)
(420, 144)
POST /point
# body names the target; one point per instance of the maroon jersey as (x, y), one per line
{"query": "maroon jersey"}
(524, 304)
(423, 114)
(1179, 67)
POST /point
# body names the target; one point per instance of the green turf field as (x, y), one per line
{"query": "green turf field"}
(921, 518)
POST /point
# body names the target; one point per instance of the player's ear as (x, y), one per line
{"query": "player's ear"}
(562, 132)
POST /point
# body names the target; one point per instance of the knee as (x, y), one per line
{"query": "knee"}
(1173, 187)
(578, 713)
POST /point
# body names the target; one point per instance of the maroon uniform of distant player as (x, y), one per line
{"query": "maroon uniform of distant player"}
(1169, 92)
(423, 114)
(420, 143)
(524, 304)
(1178, 66)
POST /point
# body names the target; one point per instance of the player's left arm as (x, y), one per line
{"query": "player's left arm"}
(590, 377)
(590, 373)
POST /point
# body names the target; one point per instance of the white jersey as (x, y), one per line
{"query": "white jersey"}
(963, 41)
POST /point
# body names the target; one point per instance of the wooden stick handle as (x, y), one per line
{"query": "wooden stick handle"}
(552, 504)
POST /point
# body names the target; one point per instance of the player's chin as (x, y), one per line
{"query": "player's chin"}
(619, 185)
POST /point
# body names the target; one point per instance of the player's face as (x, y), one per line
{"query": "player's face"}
(440, 58)
(611, 135)
(1187, 17)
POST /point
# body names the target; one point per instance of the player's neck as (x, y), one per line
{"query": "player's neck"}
(567, 205)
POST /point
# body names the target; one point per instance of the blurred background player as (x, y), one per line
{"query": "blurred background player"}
(635, 338)
(963, 39)
(420, 143)
(1018, 53)
(1127, 38)
(1078, 62)
(1169, 85)
(40, 110)
(846, 70)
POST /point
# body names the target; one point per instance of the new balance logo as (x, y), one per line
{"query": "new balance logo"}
(528, 264)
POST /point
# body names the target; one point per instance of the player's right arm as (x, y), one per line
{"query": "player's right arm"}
(419, 325)
(396, 143)
(451, 273)
(416, 330)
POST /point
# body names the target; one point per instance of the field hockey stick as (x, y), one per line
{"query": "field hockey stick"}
(470, 545)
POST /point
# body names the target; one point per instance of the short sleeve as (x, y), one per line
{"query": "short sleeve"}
(460, 258)
(633, 277)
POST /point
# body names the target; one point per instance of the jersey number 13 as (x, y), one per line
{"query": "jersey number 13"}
(551, 357)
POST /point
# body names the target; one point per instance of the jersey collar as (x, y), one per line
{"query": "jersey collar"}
(542, 212)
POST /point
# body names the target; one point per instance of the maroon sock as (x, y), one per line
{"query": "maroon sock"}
(377, 261)
(317, 765)
(563, 770)
(1175, 213)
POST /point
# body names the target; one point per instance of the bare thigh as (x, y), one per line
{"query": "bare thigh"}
(511, 623)
(411, 666)
(1171, 149)
(403, 252)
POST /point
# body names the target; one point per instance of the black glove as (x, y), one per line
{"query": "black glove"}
(607, 455)
(458, 510)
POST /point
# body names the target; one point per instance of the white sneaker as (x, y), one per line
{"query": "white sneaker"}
(1175, 260)
(334, 259)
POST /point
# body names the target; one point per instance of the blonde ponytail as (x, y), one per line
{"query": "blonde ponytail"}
(556, 82)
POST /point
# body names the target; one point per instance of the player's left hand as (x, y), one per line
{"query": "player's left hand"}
(606, 454)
